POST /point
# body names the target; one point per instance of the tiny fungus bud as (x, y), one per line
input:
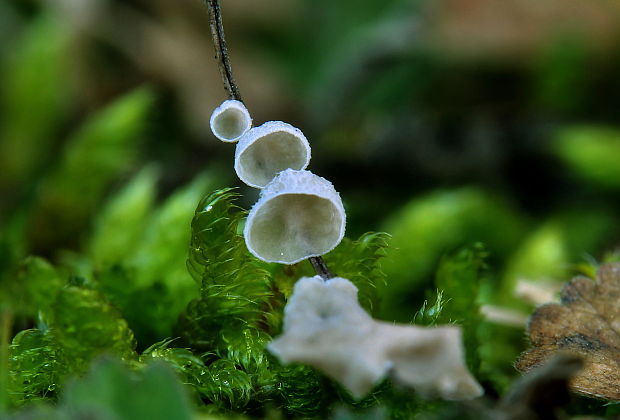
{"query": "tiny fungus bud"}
(298, 215)
(265, 151)
(230, 121)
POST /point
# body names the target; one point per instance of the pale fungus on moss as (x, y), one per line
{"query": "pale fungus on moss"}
(266, 150)
(230, 121)
(325, 327)
(298, 215)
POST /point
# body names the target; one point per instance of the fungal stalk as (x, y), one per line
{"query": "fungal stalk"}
(221, 49)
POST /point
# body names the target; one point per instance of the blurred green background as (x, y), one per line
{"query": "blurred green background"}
(445, 123)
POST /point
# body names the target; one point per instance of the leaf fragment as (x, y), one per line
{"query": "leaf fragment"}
(585, 322)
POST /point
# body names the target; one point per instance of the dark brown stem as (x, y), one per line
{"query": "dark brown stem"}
(319, 265)
(221, 51)
(223, 60)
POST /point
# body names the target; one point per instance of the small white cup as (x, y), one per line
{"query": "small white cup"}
(265, 151)
(230, 121)
(298, 215)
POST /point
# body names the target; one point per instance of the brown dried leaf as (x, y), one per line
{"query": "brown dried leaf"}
(586, 322)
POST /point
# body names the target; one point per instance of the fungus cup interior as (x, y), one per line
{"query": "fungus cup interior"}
(262, 160)
(291, 227)
(231, 123)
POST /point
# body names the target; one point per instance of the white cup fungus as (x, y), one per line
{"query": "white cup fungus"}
(265, 151)
(325, 327)
(298, 215)
(230, 121)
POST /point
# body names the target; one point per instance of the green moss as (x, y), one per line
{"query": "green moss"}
(428, 227)
(360, 262)
(35, 366)
(589, 152)
(218, 344)
(32, 287)
(34, 100)
(97, 154)
(86, 325)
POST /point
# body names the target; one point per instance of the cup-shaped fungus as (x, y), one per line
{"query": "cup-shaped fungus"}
(298, 215)
(265, 151)
(230, 121)
(325, 327)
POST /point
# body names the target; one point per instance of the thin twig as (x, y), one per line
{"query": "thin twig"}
(319, 265)
(221, 51)
(223, 60)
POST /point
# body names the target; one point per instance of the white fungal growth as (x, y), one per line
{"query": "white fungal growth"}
(298, 215)
(230, 121)
(265, 151)
(325, 327)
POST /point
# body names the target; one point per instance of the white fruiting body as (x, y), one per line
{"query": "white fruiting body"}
(325, 327)
(266, 150)
(230, 121)
(298, 215)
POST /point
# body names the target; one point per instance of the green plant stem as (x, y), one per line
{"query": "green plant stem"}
(223, 60)
(6, 325)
